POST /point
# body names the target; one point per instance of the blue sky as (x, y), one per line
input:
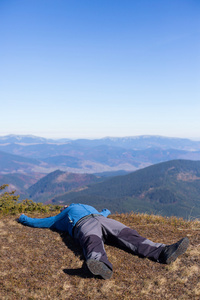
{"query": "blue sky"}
(90, 69)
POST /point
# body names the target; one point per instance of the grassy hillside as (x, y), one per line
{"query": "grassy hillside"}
(59, 182)
(169, 188)
(44, 264)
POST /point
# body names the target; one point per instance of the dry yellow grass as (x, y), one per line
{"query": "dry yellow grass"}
(43, 264)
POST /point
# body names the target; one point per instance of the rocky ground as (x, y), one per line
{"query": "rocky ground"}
(44, 264)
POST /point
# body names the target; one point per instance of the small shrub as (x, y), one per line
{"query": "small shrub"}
(9, 204)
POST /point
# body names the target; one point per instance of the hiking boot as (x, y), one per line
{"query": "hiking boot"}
(97, 267)
(171, 252)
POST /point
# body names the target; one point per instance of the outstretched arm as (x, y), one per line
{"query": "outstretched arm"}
(59, 222)
(39, 223)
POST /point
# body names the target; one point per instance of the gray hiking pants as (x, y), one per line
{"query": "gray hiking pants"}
(91, 232)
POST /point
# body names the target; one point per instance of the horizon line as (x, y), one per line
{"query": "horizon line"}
(98, 138)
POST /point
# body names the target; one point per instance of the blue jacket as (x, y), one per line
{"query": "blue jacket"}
(64, 221)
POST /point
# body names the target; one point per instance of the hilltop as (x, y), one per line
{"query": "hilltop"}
(168, 188)
(59, 182)
(44, 264)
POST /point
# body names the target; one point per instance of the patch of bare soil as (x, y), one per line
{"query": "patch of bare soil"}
(44, 264)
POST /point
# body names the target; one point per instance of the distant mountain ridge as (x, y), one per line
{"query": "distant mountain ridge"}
(28, 139)
(10, 162)
(169, 188)
(130, 142)
(59, 182)
(92, 156)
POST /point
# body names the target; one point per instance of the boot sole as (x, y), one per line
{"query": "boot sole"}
(99, 268)
(182, 247)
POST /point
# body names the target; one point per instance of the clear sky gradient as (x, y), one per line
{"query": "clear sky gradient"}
(90, 69)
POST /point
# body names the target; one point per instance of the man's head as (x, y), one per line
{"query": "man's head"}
(63, 207)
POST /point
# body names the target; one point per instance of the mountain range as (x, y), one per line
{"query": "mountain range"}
(131, 142)
(145, 174)
(168, 188)
(33, 155)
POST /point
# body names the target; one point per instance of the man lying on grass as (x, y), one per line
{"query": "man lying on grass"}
(91, 228)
